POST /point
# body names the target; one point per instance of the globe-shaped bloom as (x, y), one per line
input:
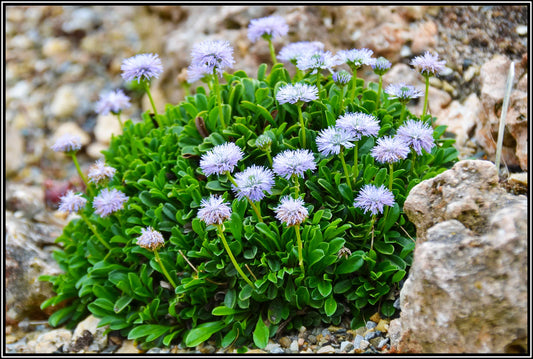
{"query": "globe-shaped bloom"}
(297, 93)
(356, 58)
(263, 142)
(150, 239)
(358, 124)
(291, 211)
(253, 182)
(381, 65)
(330, 140)
(390, 149)
(416, 134)
(318, 60)
(292, 51)
(341, 78)
(198, 72)
(373, 199)
(99, 172)
(404, 93)
(428, 64)
(214, 210)
(71, 202)
(221, 159)
(114, 102)
(293, 162)
(270, 27)
(141, 67)
(212, 55)
(67, 143)
(109, 201)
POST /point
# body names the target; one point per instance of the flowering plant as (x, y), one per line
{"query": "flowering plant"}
(263, 204)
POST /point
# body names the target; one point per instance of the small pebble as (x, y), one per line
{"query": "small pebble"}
(396, 303)
(371, 324)
(328, 349)
(364, 344)
(346, 346)
(357, 341)
(375, 341)
(376, 317)
(295, 345)
(382, 343)
(285, 342)
(372, 335)
(383, 326)
(311, 339)
(521, 30)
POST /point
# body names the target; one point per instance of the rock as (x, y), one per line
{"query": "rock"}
(328, 349)
(376, 317)
(106, 127)
(521, 30)
(364, 344)
(424, 37)
(274, 348)
(94, 150)
(50, 342)
(128, 347)
(81, 19)
(467, 287)
(375, 341)
(14, 151)
(65, 102)
(383, 326)
(87, 335)
(285, 342)
(357, 341)
(395, 332)
(382, 343)
(295, 345)
(370, 324)
(56, 47)
(346, 346)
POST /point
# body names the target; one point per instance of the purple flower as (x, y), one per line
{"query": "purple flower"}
(263, 142)
(292, 51)
(150, 239)
(404, 93)
(293, 162)
(198, 72)
(299, 92)
(67, 143)
(318, 60)
(390, 149)
(99, 172)
(253, 182)
(112, 102)
(71, 202)
(341, 78)
(109, 201)
(356, 58)
(381, 65)
(330, 140)
(372, 198)
(221, 158)
(428, 64)
(358, 124)
(417, 135)
(212, 55)
(267, 27)
(214, 210)
(291, 211)
(142, 65)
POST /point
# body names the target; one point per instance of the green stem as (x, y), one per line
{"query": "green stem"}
(391, 173)
(120, 121)
(302, 125)
(269, 157)
(160, 262)
(341, 155)
(300, 248)
(318, 81)
(256, 209)
(372, 230)
(296, 185)
(233, 260)
(147, 88)
(379, 90)
(355, 164)
(402, 114)
(272, 51)
(75, 160)
(426, 96)
(354, 84)
(93, 229)
(219, 99)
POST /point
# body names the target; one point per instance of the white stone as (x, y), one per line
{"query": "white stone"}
(106, 126)
(65, 102)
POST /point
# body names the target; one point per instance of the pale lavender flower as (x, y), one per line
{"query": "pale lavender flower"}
(390, 149)
(292, 51)
(113, 102)
(263, 142)
(67, 143)
(253, 182)
(212, 55)
(372, 198)
(341, 78)
(141, 67)
(330, 140)
(71, 202)
(381, 65)
(291, 211)
(221, 158)
(293, 162)
(358, 124)
(267, 27)
(318, 60)
(356, 58)
(417, 135)
(214, 210)
(150, 239)
(109, 201)
(428, 64)
(99, 172)
(404, 93)
(198, 72)
(299, 92)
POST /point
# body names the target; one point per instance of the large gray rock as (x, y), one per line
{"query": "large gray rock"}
(467, 288)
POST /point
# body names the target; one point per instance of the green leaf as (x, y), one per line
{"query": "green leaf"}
(387, 308)
(230, 337)
(122, 303)
(398, 276)
(152, 331)
(222, 310)
(261, 333)
(325, 288)
(330, 306)
(61, 316)
(350, 265)
(382, 247)
(203, 332)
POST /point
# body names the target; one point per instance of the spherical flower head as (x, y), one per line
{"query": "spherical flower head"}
(270, 27)
(253, 182)
(297, 93)
(67, 143)
(263, 142)
(292, 51)
(341, 78)
(372, 198)
(291, 211)
(330, 140)
(358, 124)
(417, 135)
(109, 201)
(141, 67)
(404, 93)
(293, 162)
(381, 65)
(428, 64)
(356, 58)
(113, 102)
(317, 60)
(71, 202)
(99, 172)
(214, 210)
(198, 72)
(150, 239)
(221, 159)
(390, 149)
(212, 55)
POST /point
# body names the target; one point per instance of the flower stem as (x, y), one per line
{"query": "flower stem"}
(302, 125)
(354, 84)
(346, 173)
(272, 51)
(355, 164)
(426, 96)
(120, 121)
(300, 248)
(219, 99)
(75, 160)
(402, 114)
(318, 80)
(296, 185)
(220, 231)
(269, 157)
(372, 230)
(379, 90)
(160, 262)
(93, 229)
(391, 177)
(147, 88)
(256, 209)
